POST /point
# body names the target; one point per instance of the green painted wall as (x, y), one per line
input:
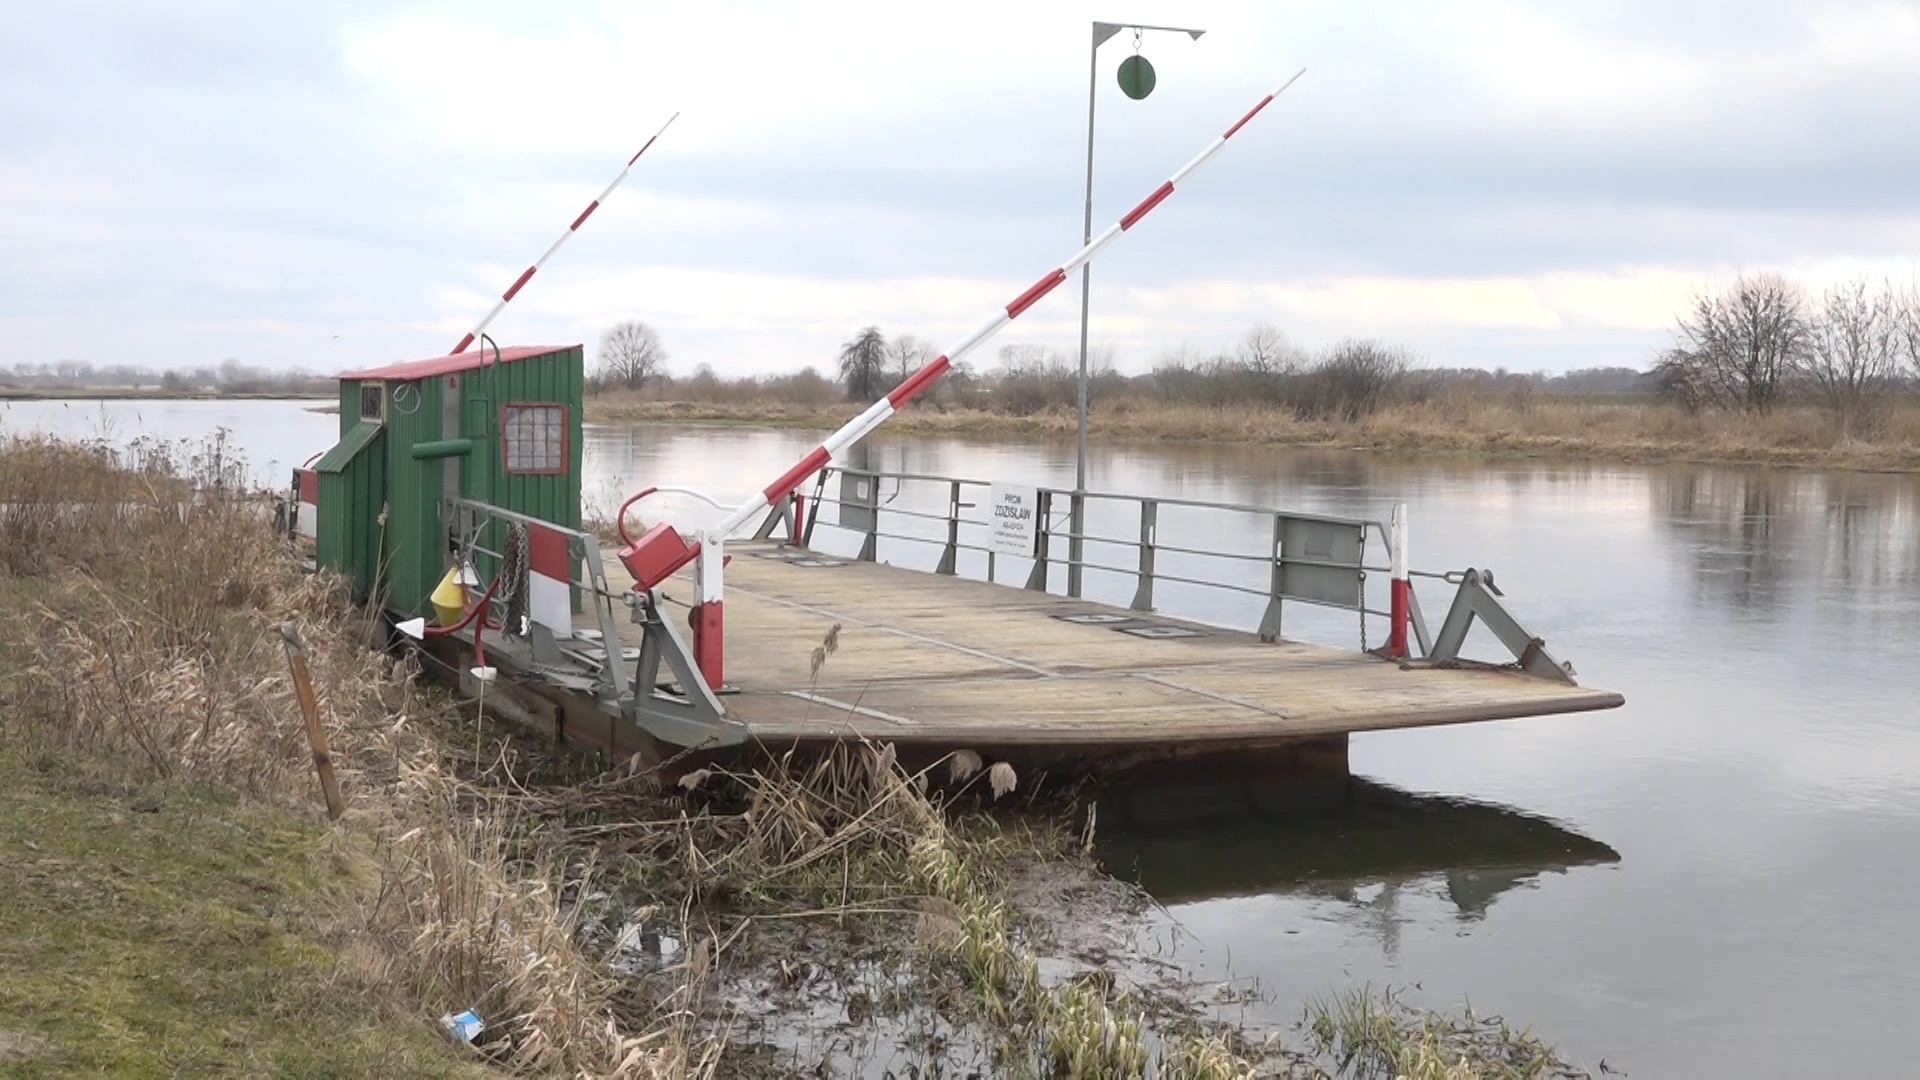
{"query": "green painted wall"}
(557, 377)
(415, 535)
(352, 491)
(415, 552)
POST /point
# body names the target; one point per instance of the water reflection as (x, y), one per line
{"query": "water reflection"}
(1763, 781)
(1760, 542)
(273, 436)
(1346, 839)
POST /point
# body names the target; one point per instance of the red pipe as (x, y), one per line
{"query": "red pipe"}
(478, 609)
(1399, 611)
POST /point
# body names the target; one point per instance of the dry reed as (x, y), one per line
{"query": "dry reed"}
(144, 594)
(1636, 429)
(1377, 1035)
(147, 587)
(852, 833)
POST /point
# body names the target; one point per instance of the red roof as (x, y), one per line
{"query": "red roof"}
(448, 365)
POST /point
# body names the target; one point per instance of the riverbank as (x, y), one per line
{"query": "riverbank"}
(148, 393)
(206, 919)
(171, 899)
(1608, 429)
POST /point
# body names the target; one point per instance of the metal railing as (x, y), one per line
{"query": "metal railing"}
(474, 521)
(1314, 559)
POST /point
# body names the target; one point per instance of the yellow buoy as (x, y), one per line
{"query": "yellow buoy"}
(449, 598)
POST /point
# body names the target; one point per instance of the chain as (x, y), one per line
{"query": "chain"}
(1363, 611)
(513, 578)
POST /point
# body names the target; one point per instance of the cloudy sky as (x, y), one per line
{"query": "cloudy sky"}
(1524, 184)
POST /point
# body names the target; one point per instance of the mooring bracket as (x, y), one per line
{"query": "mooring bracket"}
(689, 714)
(1479, 598)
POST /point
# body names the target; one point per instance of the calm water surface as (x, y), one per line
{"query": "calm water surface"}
(276, 436)
(1719, 879)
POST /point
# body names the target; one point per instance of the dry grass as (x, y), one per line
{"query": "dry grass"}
(1376, 1035)
(139, 634)
(851, 836)
(1587, 427)
(152, 588)
(149, 641)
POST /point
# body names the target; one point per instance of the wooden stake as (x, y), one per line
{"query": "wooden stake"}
(310, 708)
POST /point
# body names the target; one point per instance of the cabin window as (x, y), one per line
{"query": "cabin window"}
(373, 401)
(534, 438)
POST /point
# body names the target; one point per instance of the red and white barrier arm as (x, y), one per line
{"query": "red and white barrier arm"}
(860, 426)
(520, 282)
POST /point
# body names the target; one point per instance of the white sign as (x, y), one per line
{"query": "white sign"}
(1014, 514)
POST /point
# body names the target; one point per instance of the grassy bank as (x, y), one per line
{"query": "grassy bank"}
(1619, 428)
(180, 895)
(172, 899)
(157, 927)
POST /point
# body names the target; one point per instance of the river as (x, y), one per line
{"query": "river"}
(1717, 879)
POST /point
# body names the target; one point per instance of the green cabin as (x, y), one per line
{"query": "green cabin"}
(500, 427)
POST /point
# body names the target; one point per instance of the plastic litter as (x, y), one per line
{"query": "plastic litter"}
(463, 1026)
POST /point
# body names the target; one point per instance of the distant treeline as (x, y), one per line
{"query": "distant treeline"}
(1762, 343)
(1346, 381)
(228, 377)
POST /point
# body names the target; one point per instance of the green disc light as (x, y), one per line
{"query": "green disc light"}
(1136, 77)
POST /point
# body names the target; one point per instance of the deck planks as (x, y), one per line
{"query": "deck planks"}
(946, 661)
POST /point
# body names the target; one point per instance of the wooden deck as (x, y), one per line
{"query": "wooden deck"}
(942, 662)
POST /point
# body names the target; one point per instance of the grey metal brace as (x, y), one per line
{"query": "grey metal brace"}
(806, 527)
(1478, 597)
(1419, 621)
(780, 513)
(696, 717)
(1149, 527)
(613, 680)
(950, 554)
(1037, 577)
(1076, 541)
(1276, 582)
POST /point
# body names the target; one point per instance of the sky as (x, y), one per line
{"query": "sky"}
(1537, 185)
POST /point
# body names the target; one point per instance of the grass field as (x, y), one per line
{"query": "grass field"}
(161, 928)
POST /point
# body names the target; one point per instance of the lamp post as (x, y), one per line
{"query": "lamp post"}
(1101, 32)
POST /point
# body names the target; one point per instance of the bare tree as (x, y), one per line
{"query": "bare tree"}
(1033, 377)
(1854, 347)
(909, 353)
(1100, 363)
(1907, 308)
(863, 364)
(1264, 350)
(1023, 360)
(1351, 380)
(1739, 348)
(631, 355)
